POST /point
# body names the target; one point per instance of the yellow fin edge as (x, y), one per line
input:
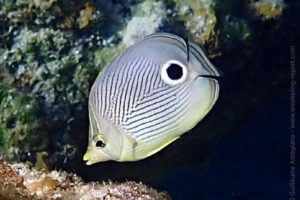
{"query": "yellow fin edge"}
(161, 146)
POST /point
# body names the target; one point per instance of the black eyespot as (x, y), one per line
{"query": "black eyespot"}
(174, 71)
(100, 144)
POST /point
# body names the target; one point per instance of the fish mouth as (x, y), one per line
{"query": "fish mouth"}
(93, 156)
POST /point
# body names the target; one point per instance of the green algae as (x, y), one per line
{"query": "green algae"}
(19, 127)
(268, 9)
(46, 73)
(106, 55)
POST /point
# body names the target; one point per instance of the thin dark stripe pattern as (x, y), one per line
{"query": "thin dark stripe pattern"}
(134, 96)
(163, 118)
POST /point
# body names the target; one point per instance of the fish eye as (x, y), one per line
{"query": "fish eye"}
(173, 72)
(99, 141)
(100, 144)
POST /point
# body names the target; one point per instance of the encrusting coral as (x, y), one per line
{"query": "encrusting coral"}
(268, 9)
(199, 18)
(19, 182)
(147, 18)
(45, 74)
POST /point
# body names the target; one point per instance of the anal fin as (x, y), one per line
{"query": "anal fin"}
(163, 145)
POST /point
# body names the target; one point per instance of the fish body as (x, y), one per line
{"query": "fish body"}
(148, 97)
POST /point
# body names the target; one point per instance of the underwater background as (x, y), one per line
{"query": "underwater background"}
(51, 52)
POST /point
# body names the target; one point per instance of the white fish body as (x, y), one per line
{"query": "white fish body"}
(148, 97)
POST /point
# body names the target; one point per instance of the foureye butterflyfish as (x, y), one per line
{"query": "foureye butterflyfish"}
(148, 97)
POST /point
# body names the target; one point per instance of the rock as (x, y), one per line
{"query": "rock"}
(147, 18)
(199, 18)
(50, 64)
(19, 123)
(268, 9)
(18, 181)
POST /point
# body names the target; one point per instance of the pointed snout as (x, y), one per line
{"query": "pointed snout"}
(93, 156)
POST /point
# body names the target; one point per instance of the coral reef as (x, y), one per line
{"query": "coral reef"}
(52, 50)
(19, 123)
(199, 18)
(18, 181)
(268, 9)
(45, 75)
(147, 18)
(57, 13)
(59, 82)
